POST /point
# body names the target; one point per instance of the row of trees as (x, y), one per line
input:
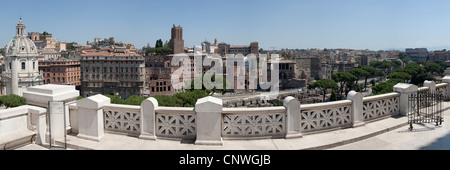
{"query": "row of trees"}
(413, 72)
(396, 71)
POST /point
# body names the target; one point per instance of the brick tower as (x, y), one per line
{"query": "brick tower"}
(176, 41)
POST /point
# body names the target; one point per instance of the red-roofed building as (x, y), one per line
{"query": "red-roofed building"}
(61, 72)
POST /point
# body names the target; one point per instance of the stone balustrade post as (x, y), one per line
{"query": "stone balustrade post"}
(405, 90)
(293, 128)
(39, 120)
(148, 120)
(209, 121)
(42, 94)
(90, 117)
(446, 79)
(431, 85)
(357, 108)
(447, 72)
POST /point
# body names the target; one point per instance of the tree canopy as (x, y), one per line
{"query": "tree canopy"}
(12, 100)
(385, 87)
(159, 43)
(213, 90)
(343, 78)
(400, 75)
(161, 51)
(434, 68)
(323, 85)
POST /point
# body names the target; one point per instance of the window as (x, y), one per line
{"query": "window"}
(23, 65)
(34, 65)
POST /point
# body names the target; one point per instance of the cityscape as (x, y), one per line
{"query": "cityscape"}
(271, 77)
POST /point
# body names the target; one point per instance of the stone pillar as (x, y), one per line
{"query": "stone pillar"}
(209, 121)
(14, 75)
(148, 129)
(90, 117)
(38, 119)
(431, 85)
(41, 95)
(357, 108)
(446, 79)
(405, 90)
(447, 72)
(293, 127)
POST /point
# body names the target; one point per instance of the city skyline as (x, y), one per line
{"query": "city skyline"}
(374, 25)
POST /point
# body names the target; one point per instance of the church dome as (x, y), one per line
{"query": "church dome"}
(21, 45)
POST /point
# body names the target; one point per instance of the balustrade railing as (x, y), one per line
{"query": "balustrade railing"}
(254, 122)
(323, 116)
(210, 118)
(381, 106)
(122, 119)
(175, 122)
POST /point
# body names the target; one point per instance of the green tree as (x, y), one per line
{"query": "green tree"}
(434, 68)
(400, 75)
(213, 79)
(115, 99)
(324, 85)
(158, 43)
(334, 96)
(161, 51)
(134, 100)
(168, 101)
(360, 73)
(380, 74)
(166, 44)
(372, 72)
(12, 100)
(385, 87)
(420, 78)
(343, 78)
(189, 98)
(377, 56)
(417, 72)
(373, 82)
(396, 64)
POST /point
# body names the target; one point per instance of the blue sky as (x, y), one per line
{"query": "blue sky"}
(357, 24)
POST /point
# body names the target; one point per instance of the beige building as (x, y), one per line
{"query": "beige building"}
(224, 49)
(45, 41)
(120, 74)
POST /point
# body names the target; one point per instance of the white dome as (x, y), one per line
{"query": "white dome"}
(21, 45)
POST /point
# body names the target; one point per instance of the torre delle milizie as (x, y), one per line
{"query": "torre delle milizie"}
(21, 63)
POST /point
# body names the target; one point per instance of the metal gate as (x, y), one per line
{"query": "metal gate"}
(425, 107)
